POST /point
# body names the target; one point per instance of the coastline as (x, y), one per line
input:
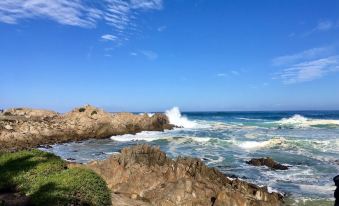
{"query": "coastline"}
(189, 179)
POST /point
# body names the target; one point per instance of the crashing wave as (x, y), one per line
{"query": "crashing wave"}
(177, 119)
(263, 144)
(301, 121)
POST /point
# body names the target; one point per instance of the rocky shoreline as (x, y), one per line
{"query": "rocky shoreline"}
(144, 175)
(23, 128)
(139, 175)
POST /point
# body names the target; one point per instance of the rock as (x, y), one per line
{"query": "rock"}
(24, 128)
(8, 127)
(146, 174)
(269, 162)
(336, 192)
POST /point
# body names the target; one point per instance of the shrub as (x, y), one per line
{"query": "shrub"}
(82, 109)
(94, 112)
(45, 178)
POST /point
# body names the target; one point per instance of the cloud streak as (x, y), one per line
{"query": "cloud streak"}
(306, 66)
(322, 26)
(109, 37)
(119, 14)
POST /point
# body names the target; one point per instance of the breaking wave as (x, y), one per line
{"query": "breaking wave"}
(301, 121)
(177, 119)
(261, 144)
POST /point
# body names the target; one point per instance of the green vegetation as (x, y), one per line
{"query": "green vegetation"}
(82, 109)
(45, 178)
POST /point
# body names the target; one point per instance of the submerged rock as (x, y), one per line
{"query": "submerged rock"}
(269, 162)
(145, 174)
(25, 128)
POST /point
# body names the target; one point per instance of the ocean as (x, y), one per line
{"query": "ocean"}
(306, 141)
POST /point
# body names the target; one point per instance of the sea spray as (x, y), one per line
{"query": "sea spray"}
(301, 121)
(177, 119)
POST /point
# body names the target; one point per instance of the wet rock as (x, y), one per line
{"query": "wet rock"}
(46, 146)
(25, 128)
(148, 175)
(336, 192)
(269, 162)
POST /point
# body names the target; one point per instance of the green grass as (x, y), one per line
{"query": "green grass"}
(45, 178)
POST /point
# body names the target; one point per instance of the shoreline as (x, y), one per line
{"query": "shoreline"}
(28, 128)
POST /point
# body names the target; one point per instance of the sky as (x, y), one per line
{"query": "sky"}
(151, 55)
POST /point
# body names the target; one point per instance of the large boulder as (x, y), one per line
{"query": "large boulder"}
(146, 174)
(269, 162)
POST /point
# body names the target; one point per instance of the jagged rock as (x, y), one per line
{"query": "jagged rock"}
(269, 162)
(146, 174)
(25, 128)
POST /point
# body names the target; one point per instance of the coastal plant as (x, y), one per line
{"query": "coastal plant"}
(46, 180)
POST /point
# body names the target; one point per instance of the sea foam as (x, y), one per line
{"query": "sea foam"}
(301, 121)
(177, 119)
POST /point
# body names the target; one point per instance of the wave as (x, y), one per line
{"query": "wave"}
(150, 136)
(177, 119)
(260, 144)
(301, 121)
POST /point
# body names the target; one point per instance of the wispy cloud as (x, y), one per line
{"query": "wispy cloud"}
(109, 37)
(151, 55)
(323, 25)
(304, 55)
(119, 14)
(306, 66)
(229, 73)
(161, 28)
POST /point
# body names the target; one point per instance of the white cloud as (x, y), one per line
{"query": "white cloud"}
(304, 55)
(221, 75)
(151, 55)
(120, 14)
(134, 54)
(68, 12)
(109, 37)
(307, 65)
(234, 72)
(147, 4)
(323, 25)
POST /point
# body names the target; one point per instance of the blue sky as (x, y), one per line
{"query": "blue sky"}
(151, 55)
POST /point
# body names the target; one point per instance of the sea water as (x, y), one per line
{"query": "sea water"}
(306, 141)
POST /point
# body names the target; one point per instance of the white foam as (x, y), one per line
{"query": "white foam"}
(148, 114)
(271, 190)
(145, 135)
(301, 121)
(257, 145)
(177, 119)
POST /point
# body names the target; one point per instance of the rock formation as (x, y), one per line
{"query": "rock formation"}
(25, 128)
(269, 162)
(144, 175)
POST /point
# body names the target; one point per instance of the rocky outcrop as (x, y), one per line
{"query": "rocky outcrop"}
(269, 162)
(24, 128)
(144, 175)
